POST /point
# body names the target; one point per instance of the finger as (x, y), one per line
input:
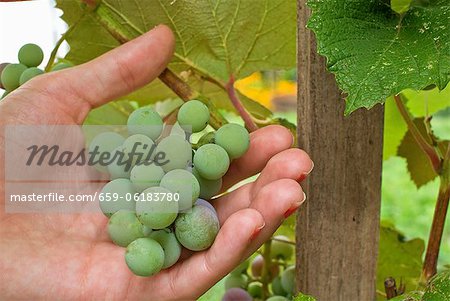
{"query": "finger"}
(114, 74)
(276, 201)
(264, 144)
(292, 164)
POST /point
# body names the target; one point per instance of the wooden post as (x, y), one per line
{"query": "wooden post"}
(338, 226)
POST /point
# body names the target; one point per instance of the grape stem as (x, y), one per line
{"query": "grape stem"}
(248, 120)
(437, 227)
(429, 151)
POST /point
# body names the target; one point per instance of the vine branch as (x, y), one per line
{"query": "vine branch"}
(248, 120)
(440, 214)
(429, 150)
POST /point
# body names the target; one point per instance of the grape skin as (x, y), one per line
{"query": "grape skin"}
(197, 229)
(2, 66)
(124, 190)
(239, 280)
(124, 227)
(195, 114)
(201, 202)
(277, 288)
(257, 267)
(145, 121)
(172, 248)
(29, 74)
(234, 138)
(280, 249)
(277, 298)
(236, 294)
(106, 142)
(211, 161)
(177, 151)
(208, 188)
(61, 66)
(10, 76)
(185, 184)
(146, 176)
(255, 289)
(142, 146)
(31, 55)
(144, 257)
(156, 214)
(288, 280)
(117, 171)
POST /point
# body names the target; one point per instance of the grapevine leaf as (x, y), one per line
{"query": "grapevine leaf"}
(400, 6)
(394, 129)
(113, 113)
(439, 288)
(440, 123)
(376, 53)
(302, 297)
(419, 166)
(399, 259)
(426, 103)
(214, 39)
(412, 296)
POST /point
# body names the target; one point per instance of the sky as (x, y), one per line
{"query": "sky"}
(29, 22)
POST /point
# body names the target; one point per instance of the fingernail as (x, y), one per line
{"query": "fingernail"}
(294, 208)
(256, 232)
(304, 175)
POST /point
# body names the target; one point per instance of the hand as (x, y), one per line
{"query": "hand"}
(69, 256)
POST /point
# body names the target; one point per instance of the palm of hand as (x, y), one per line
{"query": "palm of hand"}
(69, 256)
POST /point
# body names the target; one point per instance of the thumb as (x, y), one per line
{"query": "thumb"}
(114, 74)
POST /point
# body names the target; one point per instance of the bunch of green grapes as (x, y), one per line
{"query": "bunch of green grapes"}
(160, 196)
(30, 57)
(246, 281)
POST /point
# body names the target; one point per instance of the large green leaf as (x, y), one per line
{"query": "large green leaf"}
(376, 53)
(440, 123)
(412, 296)
(419, 166)
(394, 129)
(214, 39)
(439, 288)
(399, 259)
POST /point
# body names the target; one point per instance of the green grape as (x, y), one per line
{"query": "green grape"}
(144, 257)
(156, 208)
(185, 184)
(277, 288)
(255, 289)
(239, 280)
(193, 114)
(116, 195)
(146, 176)
(234, 138)
(145, 121)
(116, 170)
(172, 248)
(281, 249)
(211, 161)
(288, 280)
(31, 55)
(124, 227)
(201, 202)
(178, 130)
(147, 231)
(11, 76)
(2, 66)
(236, 294)
(258, 266)
(208, 188)
(29, 74)
(177, 153)
(106, 142)
(241, 269)
(197, 229)
(277, 298)
(61, 66)
(142, 146)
